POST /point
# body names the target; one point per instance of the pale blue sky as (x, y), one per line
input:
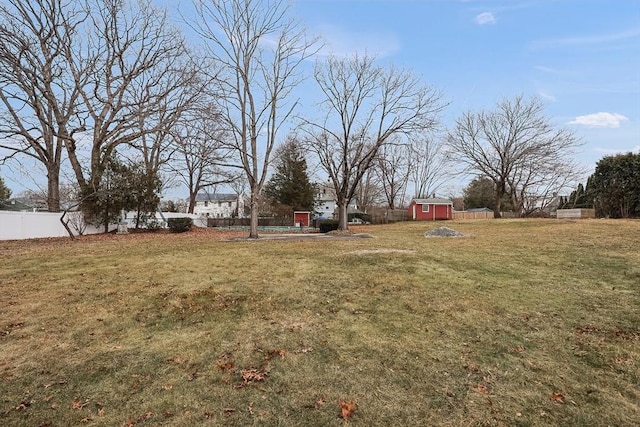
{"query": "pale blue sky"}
(582, 57)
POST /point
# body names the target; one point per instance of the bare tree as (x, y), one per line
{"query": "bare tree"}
(392, 169)
(517, 147)
(130, 72)
(369, 191)
(201, 159)
(365, 107)
(84, 78)
(428, 166)
(38, 96)
(259, 51)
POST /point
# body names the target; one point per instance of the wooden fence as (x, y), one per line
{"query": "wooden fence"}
(472, 215)
(575, 213)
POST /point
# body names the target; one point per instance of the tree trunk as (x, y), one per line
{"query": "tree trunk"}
(497, 207)
(53, 189)
(343, 223)
(192, 202)
(253, 232)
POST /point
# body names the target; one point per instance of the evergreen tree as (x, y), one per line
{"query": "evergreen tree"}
(122, 187)
(615, 186)
(289, 188)
(5, 192)
(481, 193)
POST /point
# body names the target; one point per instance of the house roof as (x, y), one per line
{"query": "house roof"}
(433, 201)
(216, 197)
(15, 205)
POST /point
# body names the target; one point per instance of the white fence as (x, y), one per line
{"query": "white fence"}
(34, 225)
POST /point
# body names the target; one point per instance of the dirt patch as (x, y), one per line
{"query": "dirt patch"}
(380, 251)
(306, 236)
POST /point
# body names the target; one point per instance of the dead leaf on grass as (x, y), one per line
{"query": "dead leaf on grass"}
(76, 404)
(472, 367)
(252, 375)
(482, 388)
(347, 408)
(557, 397)
(273, 353)
(225, 366)
(176, 360)
(518, 349)
(23, 405)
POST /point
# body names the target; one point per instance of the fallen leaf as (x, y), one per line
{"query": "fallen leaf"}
(518, 349)
(101, 412)
(249, 375)
(176, 360)
(225, 366)
(347, 408)
(229, 410)
(472, 367)
(23, 405)
(482, 388)
(320, 402)
(557, 397)
(86, 420)
(273, 353)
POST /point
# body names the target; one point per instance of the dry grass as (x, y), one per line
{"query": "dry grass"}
(520, 323)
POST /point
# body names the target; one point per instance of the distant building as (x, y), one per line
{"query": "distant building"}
(219, 205)
(326, 206)
(16, 205)
(430, 209)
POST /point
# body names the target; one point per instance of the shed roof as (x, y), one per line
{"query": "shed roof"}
(433, 201)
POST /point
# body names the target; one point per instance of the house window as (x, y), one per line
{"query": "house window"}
(206, 204)
(425, 208)
(229, 204)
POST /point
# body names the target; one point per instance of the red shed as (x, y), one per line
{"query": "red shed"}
(301, 219)
(430, 209)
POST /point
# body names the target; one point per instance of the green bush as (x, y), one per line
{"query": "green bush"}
(179, 225)
(328, 225)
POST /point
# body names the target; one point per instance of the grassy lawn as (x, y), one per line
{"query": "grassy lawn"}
(520, 323)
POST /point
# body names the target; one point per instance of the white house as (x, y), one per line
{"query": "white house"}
(219, 205)
(326, 206)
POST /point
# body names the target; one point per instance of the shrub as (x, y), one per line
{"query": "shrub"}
(179, 225)
(154, 225)
(328, 225)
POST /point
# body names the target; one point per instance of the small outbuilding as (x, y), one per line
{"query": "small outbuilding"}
(430, 209)
(301, 218)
